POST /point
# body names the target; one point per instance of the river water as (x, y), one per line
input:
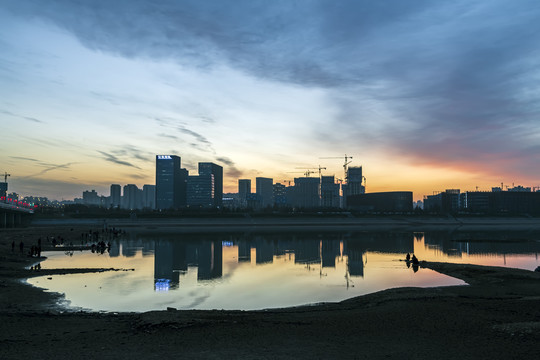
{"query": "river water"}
(246, 271)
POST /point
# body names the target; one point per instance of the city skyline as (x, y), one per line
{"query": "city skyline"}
(426, 97)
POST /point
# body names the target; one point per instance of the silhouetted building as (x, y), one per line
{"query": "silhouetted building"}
(208, 168)
(200, 191)
(170, 182)
(353, 184)
(445, 202)
(116, 195)
(244, 188)
(253, 201)
(475, 201)
(280, 195)
(91, 198)
(329, 192)
(149, 197)
(265, 189)
(132, 198)
(398, 201)
(306, 192)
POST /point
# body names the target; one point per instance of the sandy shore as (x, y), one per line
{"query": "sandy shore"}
(497, 317)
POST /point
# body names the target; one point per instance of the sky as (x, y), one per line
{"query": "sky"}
(425, 95)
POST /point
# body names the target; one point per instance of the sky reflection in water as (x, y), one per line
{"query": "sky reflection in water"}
(258, 271)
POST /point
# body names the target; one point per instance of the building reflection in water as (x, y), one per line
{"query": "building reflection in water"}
(175, 257)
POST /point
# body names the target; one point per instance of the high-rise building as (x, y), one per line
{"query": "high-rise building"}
(329, 192)
(354, 183)
(244, 189)
(132, 198)
(280, 195)
(265, 189)
(149, 197)
(200, 190)
(208, 168)
(306, 192)
(116, 194)
(170, 182)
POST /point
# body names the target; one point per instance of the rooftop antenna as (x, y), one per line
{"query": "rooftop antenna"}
(6, 176)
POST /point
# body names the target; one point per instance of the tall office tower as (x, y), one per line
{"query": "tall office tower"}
(116, 191)
(170, 182)
(132, 197)
(306, 192)
(200, 190)
(244, 189)
(329, 192)
(354, 183)
(149, 197)
(208, 168)
(265, 189)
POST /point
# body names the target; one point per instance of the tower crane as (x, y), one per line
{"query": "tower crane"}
(307, 172)
(319, 168)
(348, 160)
(288, 181)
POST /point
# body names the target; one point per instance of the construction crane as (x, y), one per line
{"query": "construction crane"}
(6, 176)
(345, 163)
(307, 172)
(288, 181)
(319, 168)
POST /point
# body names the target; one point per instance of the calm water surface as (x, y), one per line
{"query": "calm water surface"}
(258, 271)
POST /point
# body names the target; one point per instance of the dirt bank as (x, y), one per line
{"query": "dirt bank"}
(497, 316)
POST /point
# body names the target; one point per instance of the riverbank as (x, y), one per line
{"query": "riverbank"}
(496, 316)
(313, 223)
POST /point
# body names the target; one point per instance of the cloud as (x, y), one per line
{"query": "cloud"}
(47, 166)
(231, 170)
(24, 158)
(168, 136)
(448, 83)
(32, 119)
(112, 158)
(133, 152)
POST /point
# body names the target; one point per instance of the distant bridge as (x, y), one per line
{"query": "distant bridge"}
(12, 215)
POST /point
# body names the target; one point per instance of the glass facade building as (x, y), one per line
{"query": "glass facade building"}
(170, 182)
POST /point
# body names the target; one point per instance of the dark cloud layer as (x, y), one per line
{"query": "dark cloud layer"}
(458, 81)
(230, 167)
(115, 160)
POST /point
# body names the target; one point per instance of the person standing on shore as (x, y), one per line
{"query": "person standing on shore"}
(21, 247)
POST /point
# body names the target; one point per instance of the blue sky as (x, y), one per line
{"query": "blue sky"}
(426, 95)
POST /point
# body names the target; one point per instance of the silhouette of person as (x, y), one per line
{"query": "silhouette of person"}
(414, 260)
(408, 257)
(21, 247)
(13, 246)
